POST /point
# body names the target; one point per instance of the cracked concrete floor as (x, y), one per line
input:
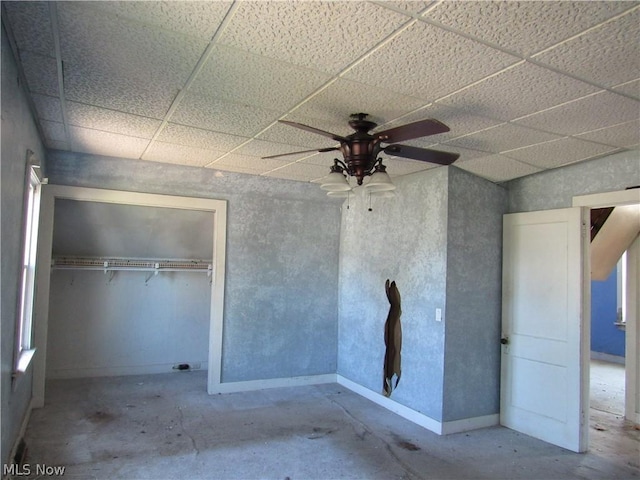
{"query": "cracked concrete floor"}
(166, 426)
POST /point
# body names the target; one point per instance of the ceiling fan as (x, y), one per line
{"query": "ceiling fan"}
(360, 149)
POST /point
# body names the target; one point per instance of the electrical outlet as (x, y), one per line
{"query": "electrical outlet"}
(438, 314)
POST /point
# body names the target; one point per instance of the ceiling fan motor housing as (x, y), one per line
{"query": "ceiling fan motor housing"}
(361, 149)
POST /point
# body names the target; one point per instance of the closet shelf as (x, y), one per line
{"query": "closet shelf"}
(131, 264)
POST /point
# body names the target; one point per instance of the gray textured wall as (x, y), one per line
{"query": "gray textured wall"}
(18, 134)
(556, 188)
(280, 317)
(474, 279)
(403, 239)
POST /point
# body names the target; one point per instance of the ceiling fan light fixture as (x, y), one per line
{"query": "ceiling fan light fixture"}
(336, 180)
(380, 181)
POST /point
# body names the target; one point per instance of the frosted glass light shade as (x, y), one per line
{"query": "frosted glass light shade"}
(335, 182)
(340, 194)
(380, 182)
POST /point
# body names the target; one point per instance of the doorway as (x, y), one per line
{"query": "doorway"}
(53, 193)
(614, 380)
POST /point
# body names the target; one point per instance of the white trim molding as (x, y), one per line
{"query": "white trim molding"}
(441, 428)
(251, 385)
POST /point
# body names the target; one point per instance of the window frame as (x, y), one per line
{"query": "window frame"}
(24, 338)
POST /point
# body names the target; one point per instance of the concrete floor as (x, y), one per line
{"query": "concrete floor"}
(166, 426)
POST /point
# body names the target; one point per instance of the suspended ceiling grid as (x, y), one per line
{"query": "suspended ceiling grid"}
(524, 86)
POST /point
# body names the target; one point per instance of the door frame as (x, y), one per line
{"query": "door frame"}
(632, 335)
(50, 193)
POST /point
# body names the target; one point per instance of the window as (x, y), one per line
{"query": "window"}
(24, 332)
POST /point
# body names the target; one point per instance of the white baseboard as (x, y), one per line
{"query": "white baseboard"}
(405, 412)
(249, 385)
(21, 432)
(607, 357)
(441, 428)
(474, 423)
(116, 371)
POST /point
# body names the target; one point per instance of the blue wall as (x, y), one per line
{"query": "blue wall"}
(605, 336)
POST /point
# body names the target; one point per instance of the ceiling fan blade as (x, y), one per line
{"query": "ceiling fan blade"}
(335, 137)
(423, 128)
(422, 154)
(319, 150)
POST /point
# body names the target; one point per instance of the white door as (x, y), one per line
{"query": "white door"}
(544, 390)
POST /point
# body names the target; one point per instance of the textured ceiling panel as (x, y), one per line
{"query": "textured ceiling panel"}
(247, 164)
(629, 88)
(132, 49)
(519, 91)
(108, 90)
(198, 19)
(523, 26)
(54, 131)
(205, 83)
(589, 113)
(41, 73)
(197, 137)
(607, 55)
(560, 152)
(31, 26)
(434, 63)
(214, 114)
(325, 36)
(626, 135)
(236, 76)
(48, 108)
(501, 138)
(343, 98)
(299, 171)
(112, 121)
(103, 143)
(498, 168)
(170, 153)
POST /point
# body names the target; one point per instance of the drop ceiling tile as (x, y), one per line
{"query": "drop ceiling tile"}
(413, 6)
(497, 168)
(460, 123)
(303, 172)
(523, 26)
(211, 113)
(104, 143)
(248, 163)
(279, 132)
(237, 76)
(53, 131)
(559, 152)
(585, 114)
(56, 145)
(433, 63)
(198, 19)
(397, 167)
(107, 43)
(629, 88)
(261, 148)
(150, 98)
(197, 137)
(180, 154)
(465, 153)
(48, 108)
(607, 55)
(97, 118)
(326, 36)
(345, 97)
(31, 26)
(324, 159)
(502, 137)
(626, 135)
(41, 73)
(518, 91)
